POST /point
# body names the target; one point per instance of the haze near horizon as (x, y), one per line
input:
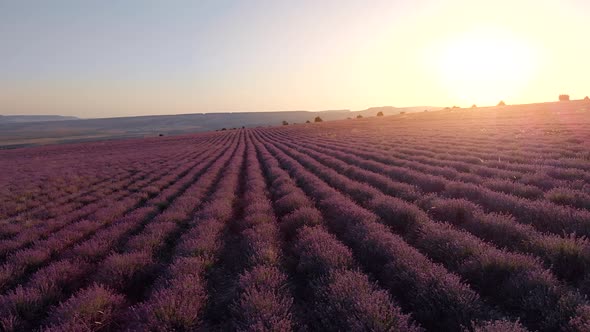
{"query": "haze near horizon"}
(102, 59)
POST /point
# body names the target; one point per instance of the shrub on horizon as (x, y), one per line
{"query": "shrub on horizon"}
(359, 116)
(380, 114)
(285, 123)
(318, 119)
(501, 103)
(586, 98)
(564, 97)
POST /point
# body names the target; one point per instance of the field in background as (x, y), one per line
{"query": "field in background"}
(463, 218)
(28, 131)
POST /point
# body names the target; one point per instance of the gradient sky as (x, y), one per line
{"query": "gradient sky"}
(134, 57)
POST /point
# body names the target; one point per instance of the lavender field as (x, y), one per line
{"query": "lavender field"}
(453, 220)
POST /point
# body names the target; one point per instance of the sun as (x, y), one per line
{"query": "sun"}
(484, 66)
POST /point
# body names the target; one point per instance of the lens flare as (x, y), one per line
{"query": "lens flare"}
(486, 66)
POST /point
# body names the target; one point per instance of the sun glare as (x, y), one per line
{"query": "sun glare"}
(485, 66)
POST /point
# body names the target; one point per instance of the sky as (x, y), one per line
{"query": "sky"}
(135, 57)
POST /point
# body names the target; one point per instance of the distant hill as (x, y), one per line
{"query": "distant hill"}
(19, 131)
(390, 110)
(34, 118)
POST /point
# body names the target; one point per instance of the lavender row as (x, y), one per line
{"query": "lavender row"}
(568, 257)
(262, 300)
(131, 184)
(407, 135)
(545, 216)
(178, 299)
(437, 298)
(50, 179)
(114, 268)
(524, 279)
(418, 149)
(514, 158)
(502, 157)
(43, 208)
(52, 243)
(342, 297)
(561, 193)
(25, 233)
(526, 186)
(134, 183)
(127, 270)
(137, 172)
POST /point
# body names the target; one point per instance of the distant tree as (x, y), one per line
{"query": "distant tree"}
(318, 119)
(404, 112)
(307, 121)
(285, 123)
(243, 127)
(359, 116)
(223, 129)
(564, 97)
(160, 135)
(501, 103)
(587, 98)
(380, 114)
(473, 106)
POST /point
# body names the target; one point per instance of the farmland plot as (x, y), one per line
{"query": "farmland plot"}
(441, 221)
